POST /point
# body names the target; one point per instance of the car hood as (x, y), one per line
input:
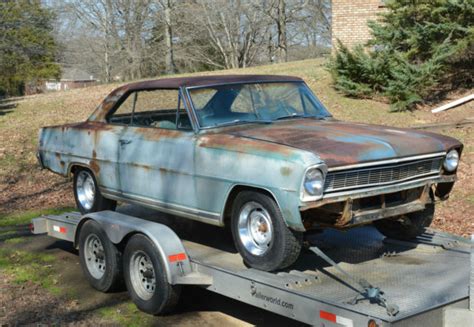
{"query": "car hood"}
(342, 143)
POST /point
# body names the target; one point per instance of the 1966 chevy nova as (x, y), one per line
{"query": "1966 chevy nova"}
(259, 153)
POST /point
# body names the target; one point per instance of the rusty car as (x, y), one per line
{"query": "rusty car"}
(258, 153)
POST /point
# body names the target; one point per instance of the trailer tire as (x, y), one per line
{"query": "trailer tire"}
(146, 279)
(407, 226)
(100, 259)
(87, 194)
(260, 233)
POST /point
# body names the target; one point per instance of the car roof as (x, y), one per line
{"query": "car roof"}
(197, 81)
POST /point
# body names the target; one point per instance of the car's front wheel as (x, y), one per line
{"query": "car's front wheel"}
(408, 226)
(260, 233)
(87, 194)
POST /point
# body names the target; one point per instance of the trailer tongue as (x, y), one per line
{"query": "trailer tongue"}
(354, 278)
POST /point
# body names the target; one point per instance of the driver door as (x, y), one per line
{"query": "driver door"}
(156, 157)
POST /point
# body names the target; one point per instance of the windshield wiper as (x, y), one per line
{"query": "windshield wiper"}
(241, 121)
(295, 115)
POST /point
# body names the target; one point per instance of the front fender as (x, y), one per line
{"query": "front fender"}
(225, 161)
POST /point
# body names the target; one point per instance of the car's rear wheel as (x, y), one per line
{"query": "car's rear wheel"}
(408, 226)
(260, 233)
(87, 194)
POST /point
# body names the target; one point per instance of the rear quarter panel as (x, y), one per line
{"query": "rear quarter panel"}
(91, 145)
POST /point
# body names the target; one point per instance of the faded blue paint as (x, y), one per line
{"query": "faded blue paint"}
(186, 171)
(191, 173)
(381, 149)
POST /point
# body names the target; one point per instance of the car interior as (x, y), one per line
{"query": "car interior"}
(168, 119)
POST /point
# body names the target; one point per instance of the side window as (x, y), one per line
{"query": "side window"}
(153, 108)
(123, 115)
(156, 108)
(156, 101)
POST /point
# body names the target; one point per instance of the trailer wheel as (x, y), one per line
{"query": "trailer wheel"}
(407, 226)
(260, 233)
(87, 194)
(146, 279)
(100, 259)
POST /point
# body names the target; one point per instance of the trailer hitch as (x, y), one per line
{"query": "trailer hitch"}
(362, 286)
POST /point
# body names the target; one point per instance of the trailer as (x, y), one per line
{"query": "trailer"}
(351, 278)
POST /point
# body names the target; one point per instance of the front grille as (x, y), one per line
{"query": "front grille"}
(381, 175)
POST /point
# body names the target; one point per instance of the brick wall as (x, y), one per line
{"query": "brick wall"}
(349, 20)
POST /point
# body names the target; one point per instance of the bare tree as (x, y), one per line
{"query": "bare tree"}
(167, 6)
(100, 17)
(281, 19)
(235, 31)
(132, 39)
(282, 13)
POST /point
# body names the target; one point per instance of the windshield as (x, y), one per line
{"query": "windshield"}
(254, 103)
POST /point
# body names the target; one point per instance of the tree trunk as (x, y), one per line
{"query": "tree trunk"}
(108, 21)
(281, 29)
(107, 63)
(169, 60)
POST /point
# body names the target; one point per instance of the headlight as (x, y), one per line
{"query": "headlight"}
(314, 182)
(451, 161)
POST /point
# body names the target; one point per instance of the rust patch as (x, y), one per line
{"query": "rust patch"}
(94, 166)
(285, 171)
(245, 145)
(153, 134)
(339, 143)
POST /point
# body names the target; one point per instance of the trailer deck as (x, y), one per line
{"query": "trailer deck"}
(421, 277)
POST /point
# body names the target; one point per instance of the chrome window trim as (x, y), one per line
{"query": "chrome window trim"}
(383, 162)
(308, 198)
(188, 104)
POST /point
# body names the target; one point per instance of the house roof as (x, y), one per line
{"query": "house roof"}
(196, 81)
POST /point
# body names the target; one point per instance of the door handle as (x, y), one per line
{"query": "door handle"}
(124, 142)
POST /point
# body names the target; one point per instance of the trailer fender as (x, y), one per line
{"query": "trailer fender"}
(118, 226)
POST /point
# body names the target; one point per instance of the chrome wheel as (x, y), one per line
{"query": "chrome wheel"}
(85, 189)
(255, 228)
(142, 275)
(95, 256)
